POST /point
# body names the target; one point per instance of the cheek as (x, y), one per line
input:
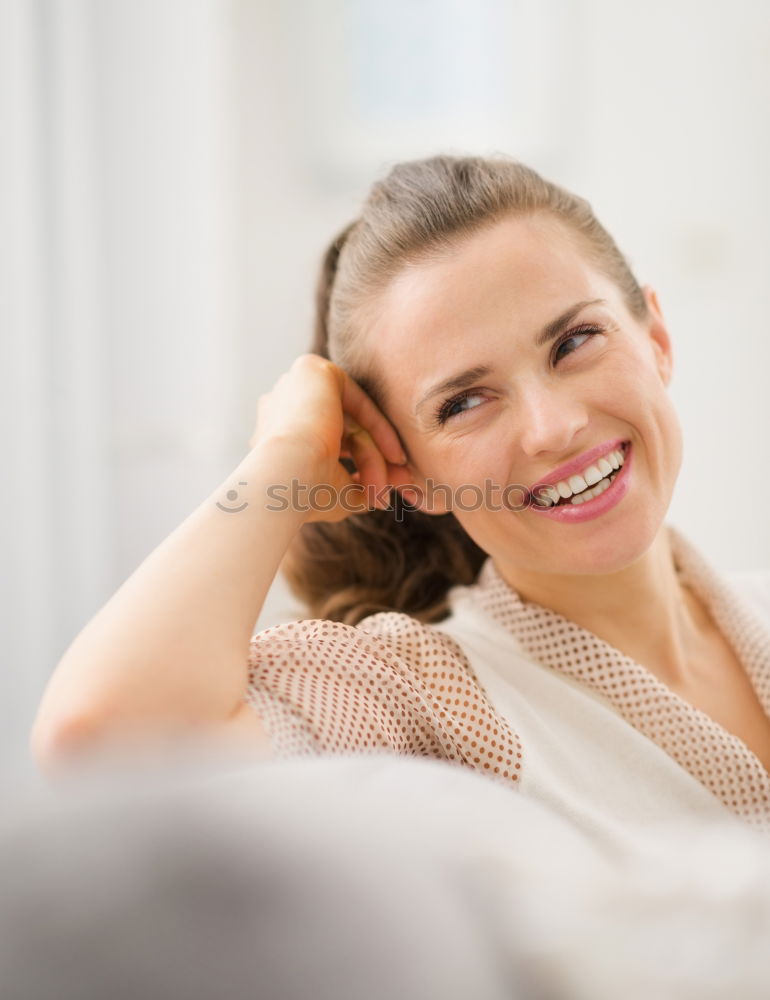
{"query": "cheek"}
(473, 461)
(626, 363)
(671, 432)
(641, 397)
(628, 382)
(638, 378)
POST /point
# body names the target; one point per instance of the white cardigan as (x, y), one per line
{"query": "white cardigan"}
(586, 761)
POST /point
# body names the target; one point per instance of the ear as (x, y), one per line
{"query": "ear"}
(658, 334)
(420, 492)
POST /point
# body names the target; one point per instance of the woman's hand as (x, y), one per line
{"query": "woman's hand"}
(315, 415)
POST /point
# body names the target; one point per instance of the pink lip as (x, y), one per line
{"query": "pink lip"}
(591, 509)
(578, 464)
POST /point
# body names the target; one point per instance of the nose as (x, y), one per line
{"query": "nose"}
(550, 417)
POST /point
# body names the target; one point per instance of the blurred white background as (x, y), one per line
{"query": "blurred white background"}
(172, 170)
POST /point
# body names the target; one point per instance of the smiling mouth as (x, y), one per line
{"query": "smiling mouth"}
(588, 494)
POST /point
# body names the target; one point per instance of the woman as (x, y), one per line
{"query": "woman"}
(521, 607)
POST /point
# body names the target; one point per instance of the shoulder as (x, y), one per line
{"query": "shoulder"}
(350, 687)
(390, 681)
(390, 637)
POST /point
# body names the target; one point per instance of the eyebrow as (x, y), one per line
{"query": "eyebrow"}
(463, 379)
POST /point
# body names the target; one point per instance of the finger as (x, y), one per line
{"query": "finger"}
(347, 426)
(371, 466)
(400, 476)
(397, 476)
(369, 462)
(356, 402)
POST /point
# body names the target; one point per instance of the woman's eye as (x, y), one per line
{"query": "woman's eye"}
(448, 409)
(583, 331)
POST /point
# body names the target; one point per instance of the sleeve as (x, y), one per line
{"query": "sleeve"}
(389, 683)
(326, 687)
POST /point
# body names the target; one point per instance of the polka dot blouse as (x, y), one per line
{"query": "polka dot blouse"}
(394, 683)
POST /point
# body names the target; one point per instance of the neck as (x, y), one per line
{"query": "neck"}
(643, 610)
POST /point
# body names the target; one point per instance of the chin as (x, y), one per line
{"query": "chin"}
(607, 553)
(622, 549)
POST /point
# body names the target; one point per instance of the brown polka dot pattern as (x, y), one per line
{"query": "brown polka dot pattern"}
(388, 683)
(717, 758)
(393, 683)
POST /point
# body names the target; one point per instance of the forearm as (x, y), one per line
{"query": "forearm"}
(171, 645)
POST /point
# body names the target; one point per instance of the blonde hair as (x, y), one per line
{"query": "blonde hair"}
(403, 559)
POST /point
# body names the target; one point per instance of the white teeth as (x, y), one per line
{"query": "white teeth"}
(577, 487)
(551, 493)
(595, 492)
(592, 475)
(604, 467)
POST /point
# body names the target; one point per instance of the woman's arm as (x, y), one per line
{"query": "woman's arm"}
(170, 648)
(168, 653)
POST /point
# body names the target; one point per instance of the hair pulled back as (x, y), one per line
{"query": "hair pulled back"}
(403, 559)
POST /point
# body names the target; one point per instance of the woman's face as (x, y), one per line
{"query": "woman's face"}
(601, 377)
